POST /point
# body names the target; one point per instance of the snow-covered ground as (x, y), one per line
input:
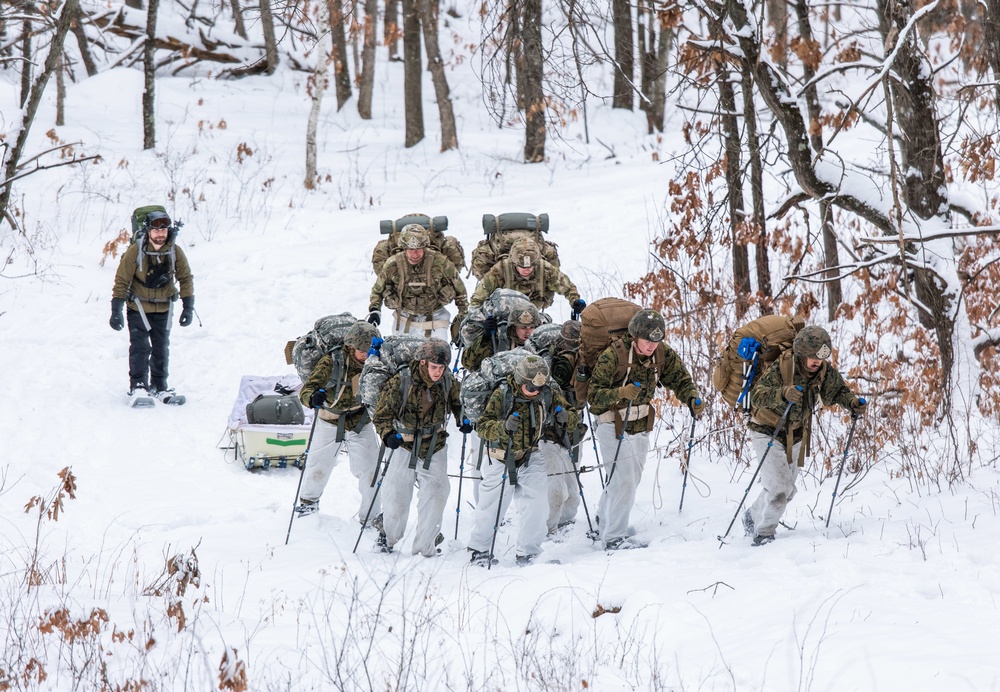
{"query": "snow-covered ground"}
(900, 592)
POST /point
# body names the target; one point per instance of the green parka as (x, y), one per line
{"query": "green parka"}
(133, 283)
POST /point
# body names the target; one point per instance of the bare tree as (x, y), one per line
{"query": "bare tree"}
(734, 195)
(26, 51)
(270, 40)
(429, 19)
(341, 71)
(317, 87)
(149, 73)
(530, 76)
(412, 73)
(621, 13)
(656, 34)
(238, 25)
(83, 44)
(366, 79)
(392, 31)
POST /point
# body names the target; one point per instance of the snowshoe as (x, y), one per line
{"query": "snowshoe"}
(625, 544)
(168, 396)
(481, 558)
(138, 397)
(761, 540)
(306, 507)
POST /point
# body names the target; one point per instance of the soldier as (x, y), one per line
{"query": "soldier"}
(445, 244)
(412, 414)
(512, 424)
(522, 320)
(526, 271)
(803, 377)
(146, 279)
(332, 389)
(623, 383)
(417, 284)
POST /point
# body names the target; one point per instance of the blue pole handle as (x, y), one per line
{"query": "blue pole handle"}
(862, 400)
(697, 402)
(558, 409)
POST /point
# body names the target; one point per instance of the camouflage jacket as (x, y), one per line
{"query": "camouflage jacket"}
(536, 416)
(421, 289)
(767, 403)
(564, 373)
(613, 369)
(540, 287)
(426, 408)
(445, 244)
(131, 282)
(341, 396)
(479, 350)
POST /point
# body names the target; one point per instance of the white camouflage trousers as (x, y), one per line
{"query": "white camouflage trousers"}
(531, 492)
(777, 477)
(440, 315)
(324, 450)
(564, 492)
(623, 479)
(432, 486)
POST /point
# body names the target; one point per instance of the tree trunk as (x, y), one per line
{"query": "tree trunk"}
(392, 31)
(61, 92)
(53, 62)
(238, 26)
(777, 14)
(367, 77)
(621, 13)
(317, 87)
(83, 44)
(429, 20)
(341, 71)
(412, 74)
(991, 37)
(134, 4)
(27, 59)
(757, 193)
(734, 186)
(658, 78)
(531, 79)
(270, 41)
(149, 74)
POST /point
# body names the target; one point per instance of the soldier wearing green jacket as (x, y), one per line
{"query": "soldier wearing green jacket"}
(622, 385)
(526, 271)
(803, 378)
(512, 424)
(417, 284)
(411, 417)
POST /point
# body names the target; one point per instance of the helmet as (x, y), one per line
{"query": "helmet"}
(531, 370)
(569, 336)
(647, 324)
(524, 252)
(360, 335)
(435, 351)
(413, 237)
(812, 342)
(157, 219)
(525, 315)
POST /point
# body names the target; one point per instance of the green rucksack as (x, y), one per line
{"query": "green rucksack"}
(140, 231)
(502, 231)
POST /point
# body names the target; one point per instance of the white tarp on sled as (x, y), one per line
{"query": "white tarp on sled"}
(267, 446)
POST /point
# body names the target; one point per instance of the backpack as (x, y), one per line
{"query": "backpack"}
(502, 231)
(394, 353)
(445, 244)
(499, 304)
(274, 409)
(325, 338)
(601, 323)
(140, 232)
(477, 387)
(543, 341)
(750, 351)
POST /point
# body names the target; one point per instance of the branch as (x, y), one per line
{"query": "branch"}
(938, 235)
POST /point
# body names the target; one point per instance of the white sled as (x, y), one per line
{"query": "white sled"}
(267, 446)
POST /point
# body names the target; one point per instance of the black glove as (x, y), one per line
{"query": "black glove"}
(392, 440)
(562, 415)
(490, 324)
(375, 317)
(696, 405)
(466, 427)
(187, 314)
(318, 398)
(512, 423)
(792, 393)
(578, 305)
(117, 314)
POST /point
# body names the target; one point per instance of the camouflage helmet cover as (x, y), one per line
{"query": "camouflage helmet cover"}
(526, 315)
(360, 335)
(647, 324)
(435, 351)
(531, 370)
(413, 237)
(813, 342)
(524, 253)
(569, 336)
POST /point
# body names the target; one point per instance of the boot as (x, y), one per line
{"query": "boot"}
(761, 540)
(748, 526)
(306, 507)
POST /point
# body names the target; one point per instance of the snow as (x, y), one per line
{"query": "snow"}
(900, 592)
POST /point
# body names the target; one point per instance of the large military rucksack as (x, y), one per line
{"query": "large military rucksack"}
(501, 232)
(325, 338)
(140, 232)
(544, 341)
(601, 323)
(445, 244)
(749, 352)
(499, 305)
(477, 387)
(394, 353)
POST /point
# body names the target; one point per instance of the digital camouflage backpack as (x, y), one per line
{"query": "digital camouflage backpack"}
(750, 351)
(394, 353)
(544, 341)
(501, 232)
(499, 305)
(445, 244)
(326, 337)
(601, 323)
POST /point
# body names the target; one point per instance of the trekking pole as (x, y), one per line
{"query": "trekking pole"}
(621, 438)
(305, 461)
(687, 463)
(593, 440)
(777, 429)
(507, 457)
(847, 447)
(372, 505)
(461, 472)
(574, 453)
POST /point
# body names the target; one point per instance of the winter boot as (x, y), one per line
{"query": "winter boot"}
(761, 540)
(138, 397)
(481, 558)
(382, 543)
(748, 526)
(306, 507)
(438, 540)
(525, 560)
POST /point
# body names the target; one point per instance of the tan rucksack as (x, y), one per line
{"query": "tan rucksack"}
(749, 352)
(601, 323)
(502, 231)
